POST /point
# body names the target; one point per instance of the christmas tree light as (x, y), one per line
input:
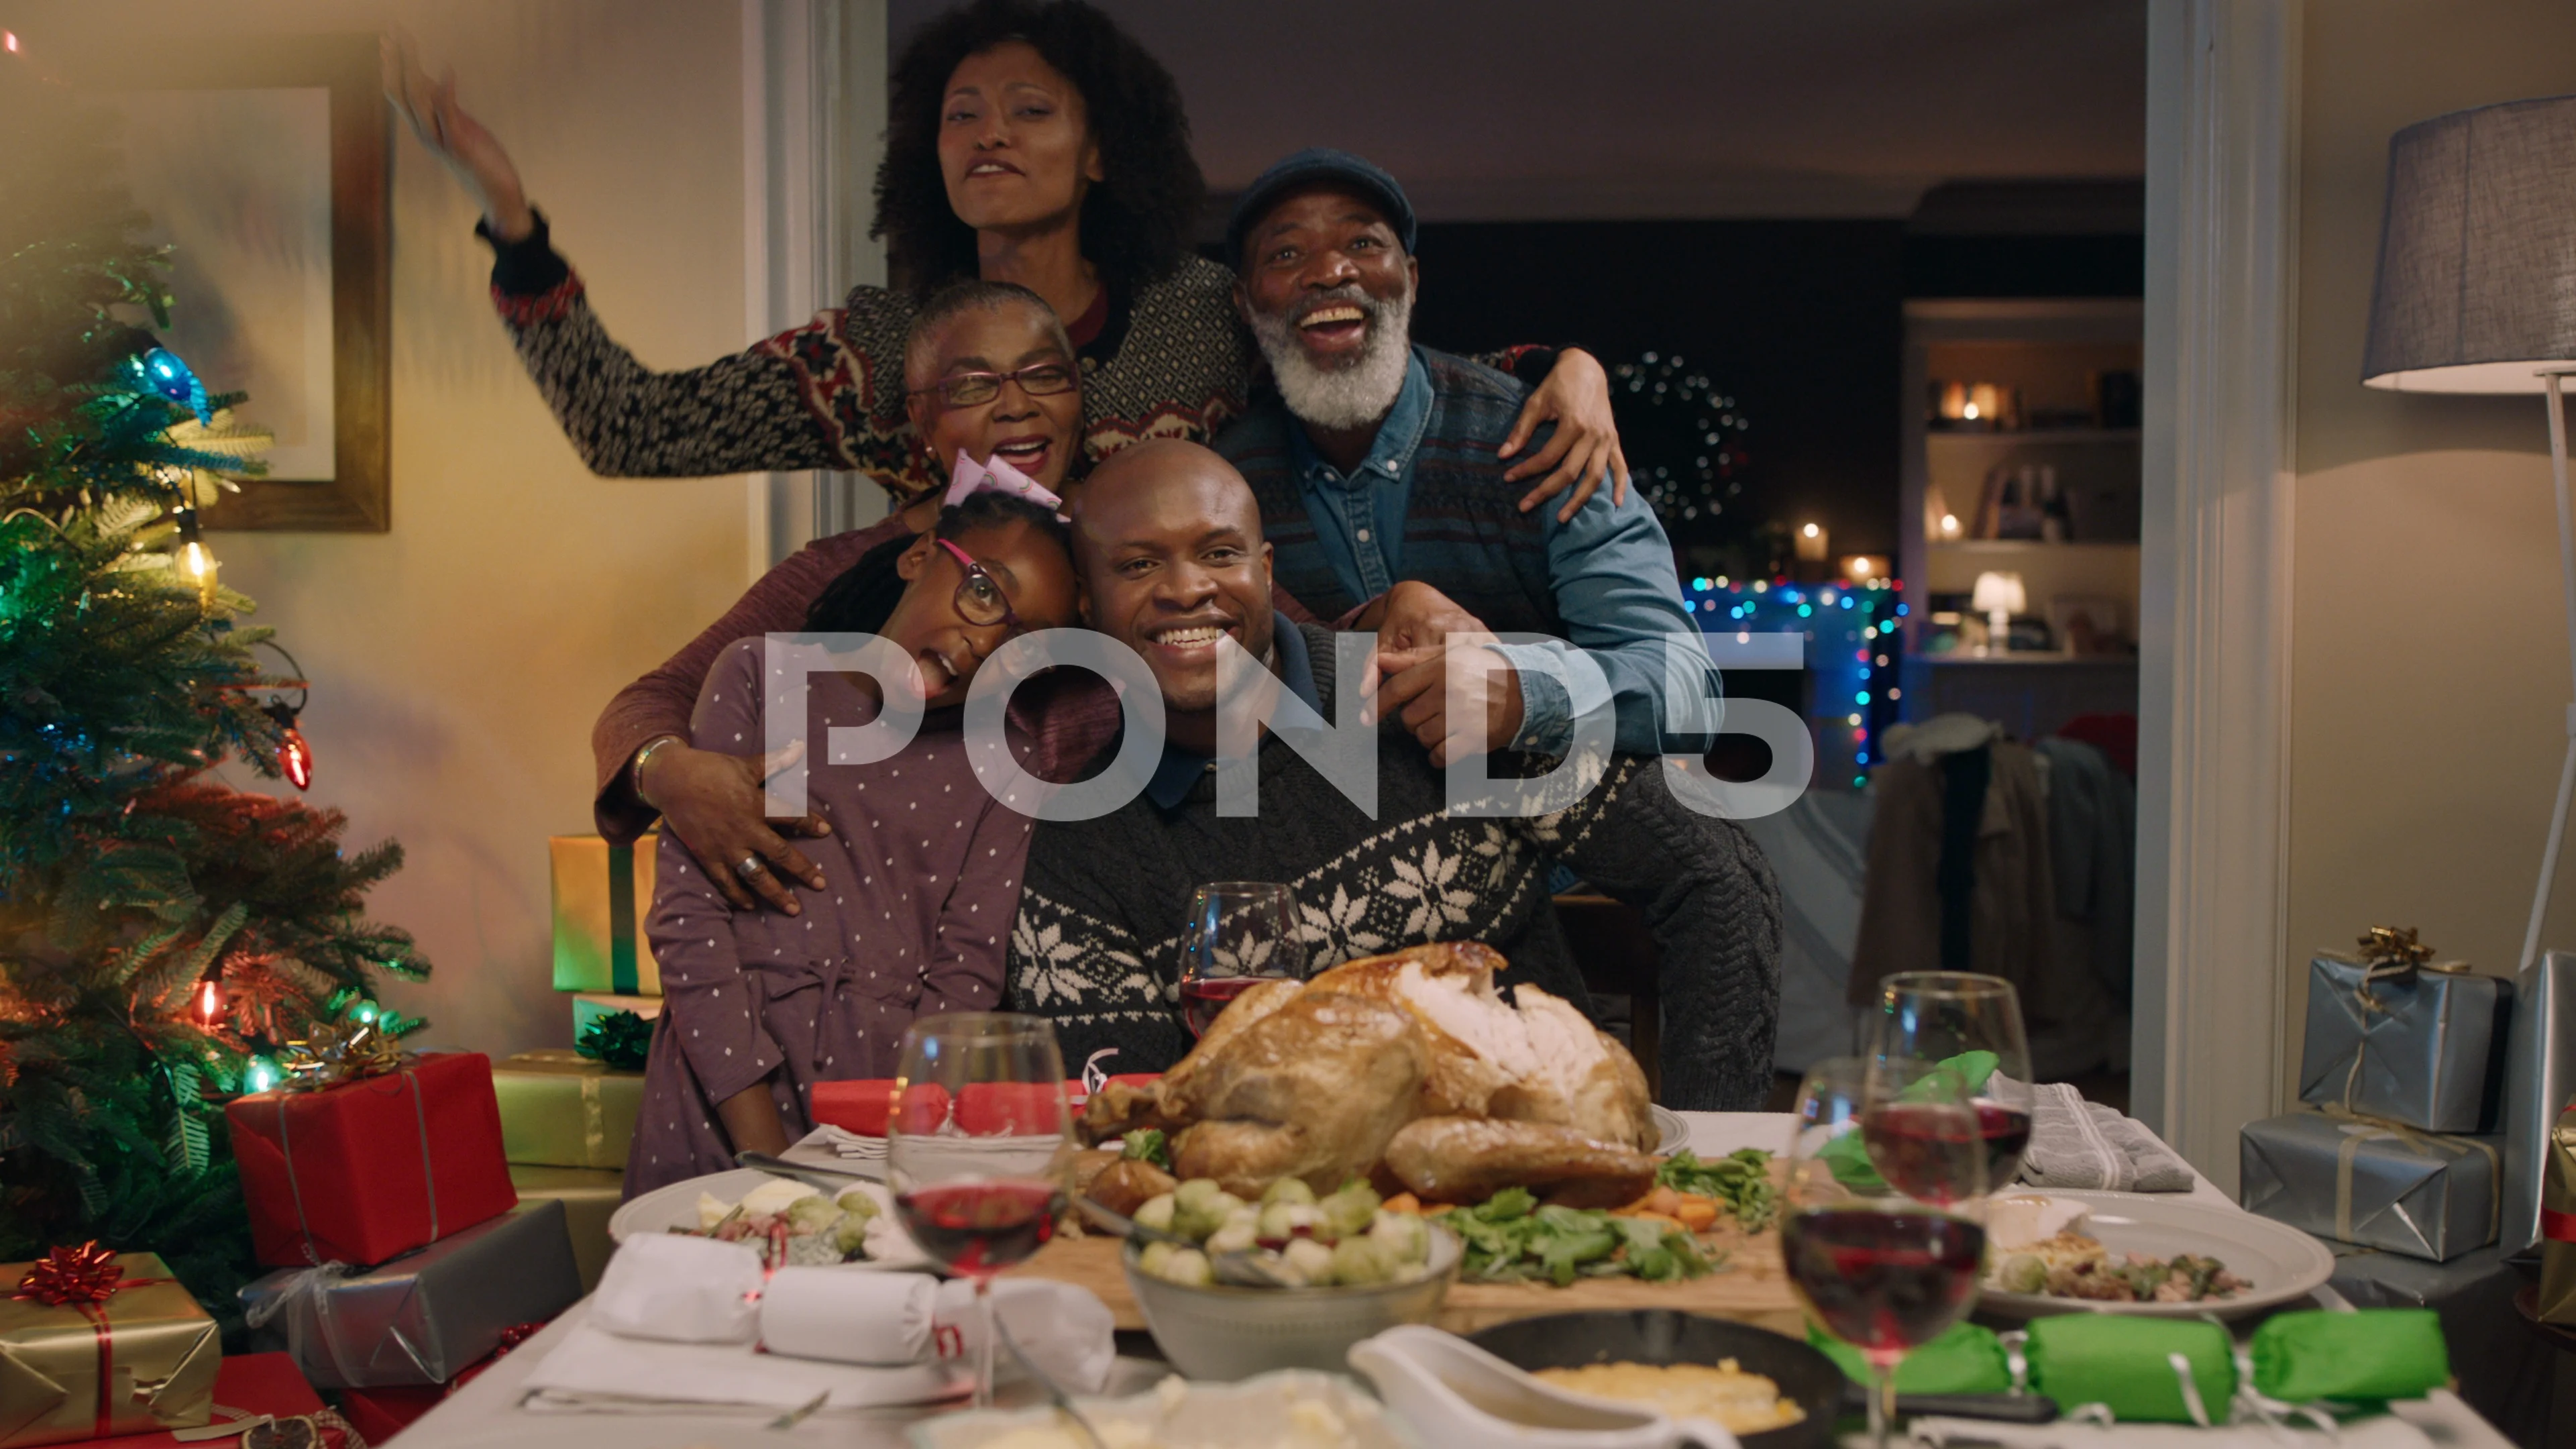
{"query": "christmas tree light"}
(161, 933)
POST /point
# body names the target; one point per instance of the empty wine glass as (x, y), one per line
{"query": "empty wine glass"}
(1240, 932)
(979, 1148)
(1946, 1016)
(1884, 1237)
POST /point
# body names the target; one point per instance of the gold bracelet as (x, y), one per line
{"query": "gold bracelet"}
(635, 771)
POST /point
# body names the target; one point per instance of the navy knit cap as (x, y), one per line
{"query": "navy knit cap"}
(1308, 167)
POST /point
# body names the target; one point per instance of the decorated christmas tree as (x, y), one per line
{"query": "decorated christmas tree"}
(164, 937)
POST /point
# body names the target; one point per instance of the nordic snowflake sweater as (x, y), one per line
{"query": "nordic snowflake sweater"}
(1096, 947)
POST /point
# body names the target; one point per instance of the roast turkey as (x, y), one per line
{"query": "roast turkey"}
(1408, 1066)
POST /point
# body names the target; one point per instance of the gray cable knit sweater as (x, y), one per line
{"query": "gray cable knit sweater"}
(1097, 943)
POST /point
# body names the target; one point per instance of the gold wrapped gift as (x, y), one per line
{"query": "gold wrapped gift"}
(2558, 1222)
(94, 1343)
(562, 1109)
(589, 1197)
(602, 894)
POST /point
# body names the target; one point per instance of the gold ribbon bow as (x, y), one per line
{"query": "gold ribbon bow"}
(340, 1052)
(2389, 952)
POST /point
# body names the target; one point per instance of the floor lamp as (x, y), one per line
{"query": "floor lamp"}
(2476, 293)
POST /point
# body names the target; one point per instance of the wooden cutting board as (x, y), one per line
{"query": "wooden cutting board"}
(1750, 1288)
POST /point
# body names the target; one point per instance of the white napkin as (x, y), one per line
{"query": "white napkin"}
(844, 1143)
(2075, 1143)
(594, 1371)
(681, 1289)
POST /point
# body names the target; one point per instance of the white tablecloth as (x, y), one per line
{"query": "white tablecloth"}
(486, 1413)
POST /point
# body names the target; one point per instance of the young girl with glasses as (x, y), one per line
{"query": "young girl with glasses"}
(919, 875)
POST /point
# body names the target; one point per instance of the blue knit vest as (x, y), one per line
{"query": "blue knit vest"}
(1462, 533)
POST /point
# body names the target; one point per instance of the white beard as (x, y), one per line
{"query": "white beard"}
(1353, 395)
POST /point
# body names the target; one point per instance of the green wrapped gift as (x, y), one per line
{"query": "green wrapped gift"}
(2126, 1365)
(561, 1109)
(590, 1197)
(1966, 1360)
(2371, 1356)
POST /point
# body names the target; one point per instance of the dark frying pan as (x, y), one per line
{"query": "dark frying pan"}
(1664, 1336)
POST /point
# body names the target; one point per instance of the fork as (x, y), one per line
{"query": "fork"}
(1055, 1393)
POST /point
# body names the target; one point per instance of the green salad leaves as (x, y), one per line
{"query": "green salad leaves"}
(1511, 1239)
(1148, 1146)
(1741, 1181)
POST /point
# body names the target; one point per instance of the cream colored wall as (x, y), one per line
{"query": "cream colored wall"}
(2429, 666)
(459, 659)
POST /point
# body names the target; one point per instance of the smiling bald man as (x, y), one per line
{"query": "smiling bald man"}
(1170, 554)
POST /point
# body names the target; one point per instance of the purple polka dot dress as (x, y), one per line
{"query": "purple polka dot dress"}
(921, 878)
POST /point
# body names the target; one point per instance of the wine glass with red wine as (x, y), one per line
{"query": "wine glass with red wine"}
(978, 1149)
(1944, 1016)
(1240, 932)
(1880, 1267)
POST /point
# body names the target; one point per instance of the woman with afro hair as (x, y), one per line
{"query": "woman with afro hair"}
(1027, 141)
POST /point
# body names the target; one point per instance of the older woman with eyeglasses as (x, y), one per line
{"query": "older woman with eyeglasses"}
(904, 909)
(991, 380)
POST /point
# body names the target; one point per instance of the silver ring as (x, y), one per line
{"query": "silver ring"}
(748, 867)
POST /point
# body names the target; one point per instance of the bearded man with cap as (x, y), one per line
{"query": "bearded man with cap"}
(1374, 461)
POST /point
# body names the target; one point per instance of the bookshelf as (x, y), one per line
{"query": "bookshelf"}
(2036, 456)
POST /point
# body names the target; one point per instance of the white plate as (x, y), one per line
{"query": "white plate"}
(1204, 1414)
(1672, 1133)
(2282, 1263)
(676, 1206)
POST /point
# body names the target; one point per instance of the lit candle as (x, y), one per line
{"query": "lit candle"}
(1813, 543)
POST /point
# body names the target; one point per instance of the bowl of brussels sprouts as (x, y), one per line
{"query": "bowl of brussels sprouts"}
(1347, 1267)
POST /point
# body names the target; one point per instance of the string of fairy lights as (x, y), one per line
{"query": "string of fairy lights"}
(1852, 650)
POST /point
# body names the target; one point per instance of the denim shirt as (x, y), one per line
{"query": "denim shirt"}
(1610, 569)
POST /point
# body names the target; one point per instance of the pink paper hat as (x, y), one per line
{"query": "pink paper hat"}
(969, 477)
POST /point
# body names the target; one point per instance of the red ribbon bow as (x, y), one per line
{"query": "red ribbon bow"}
(86, 1274)
(81, 1279)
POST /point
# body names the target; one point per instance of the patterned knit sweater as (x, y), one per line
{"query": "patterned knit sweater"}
(1172, 361)
(1096, 946)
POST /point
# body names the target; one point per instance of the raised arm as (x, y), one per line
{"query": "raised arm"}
(1570, 388)
(797, 401)
(1713, 904)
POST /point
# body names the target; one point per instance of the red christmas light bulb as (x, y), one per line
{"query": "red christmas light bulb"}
(295, 757)
(209, 1006)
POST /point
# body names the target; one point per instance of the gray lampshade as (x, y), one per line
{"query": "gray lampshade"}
(2477, 254)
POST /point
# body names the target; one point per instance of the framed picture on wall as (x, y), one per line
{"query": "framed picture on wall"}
(263, 161)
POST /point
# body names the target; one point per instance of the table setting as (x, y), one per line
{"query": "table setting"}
(1503, 1243)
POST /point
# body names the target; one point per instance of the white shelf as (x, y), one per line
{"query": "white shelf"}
(2028, 546)
(2026, 437)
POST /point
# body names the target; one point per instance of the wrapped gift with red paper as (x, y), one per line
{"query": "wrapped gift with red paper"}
(369, 1152)
(380, 1414)
(94, 1343)
(252, 1386)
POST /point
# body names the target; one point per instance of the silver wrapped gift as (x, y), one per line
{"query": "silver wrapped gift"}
(2378, 1184)
(2540, 1078)
(425, 1315)
(2390, 1034)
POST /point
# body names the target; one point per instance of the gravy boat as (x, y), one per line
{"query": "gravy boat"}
(1453, 1392)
